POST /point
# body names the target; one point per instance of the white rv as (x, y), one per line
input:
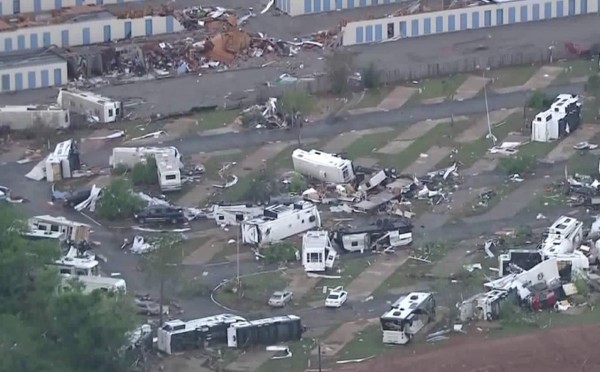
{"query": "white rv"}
(130, 156)
(177, 335)
(323, 166)
(100, 109)
(407, 317)
(62, 162)
(279, 222)
(50, 227)
(269, 331)
(317, 251)
(564, 236)
(167, 169)
(77, 266)
(92, 283)
(234, 214)
(544, 127)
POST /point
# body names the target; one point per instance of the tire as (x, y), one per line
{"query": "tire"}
(141, 221)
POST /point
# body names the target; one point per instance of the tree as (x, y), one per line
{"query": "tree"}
(339, 66)
(144, 173)
(593, 86)
(294, 101)
(538, 101)
(44, 329)
(371, 76)
(162, 264)
(118, 201)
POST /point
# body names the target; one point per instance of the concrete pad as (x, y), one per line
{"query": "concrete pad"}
(470, 87)
(87, 145)
(339, 143)
(414, 132)
(480, 128)
(433, 101)
(339, 338)
(366, 162)
(250, 361)
(364, 110)
(481, 166)
(300, 284)
(204, 253)
(370, 279)
(543, 77)
(564, 150)
(397, 98)
(423, 165)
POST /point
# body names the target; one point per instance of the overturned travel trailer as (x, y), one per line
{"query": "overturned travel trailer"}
(234, 214)
(279, 222)
(93, 283)
(389, 232)
(168, 172)
(176, 336)
(317, 251)
(269, 331)
(323, 166)
(561, 119)
(100, 109)
(482, 306)
(517, 261)
(62, 162)
(130, 156)
(563, 237)
(50, 227)
(407, 317)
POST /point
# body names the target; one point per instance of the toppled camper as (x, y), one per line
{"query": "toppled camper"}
(62, 163)
(407, 317)
(130, 156)
(168, 172)
(50, 227)
(317, 251)
(385, 232)
(280, 221)
(234, 214)
(97, 108)
(269, 331)
(561, 119)
(565, 234)
(323, 166)
(93, 283)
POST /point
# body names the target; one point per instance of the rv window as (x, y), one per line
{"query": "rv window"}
(54, 228)
(171, 177)
(81, 272)
(302, 221)
(221, 218)
(312, 219)
(118, 111)
(110, 113)
(549, 117)
(65, 271)
(315, 257)
(354, 244)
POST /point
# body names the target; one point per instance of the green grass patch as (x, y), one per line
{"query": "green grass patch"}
(373, 97)
(367, 144)
(348, 269)
(511, 76)
(575, 69)
(366, 343)
(442, 135)
(583, 162)
(406, 275)
(436, 88)
(214, 119)
(254, 293)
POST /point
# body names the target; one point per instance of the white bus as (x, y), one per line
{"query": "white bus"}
(407, 316)
(323, 166)
(92, 283)
(269, 331)
(177, 335)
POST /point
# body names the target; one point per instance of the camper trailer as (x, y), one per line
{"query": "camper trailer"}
(544, 127)
(234, 214)
(280, 221)
(407, 317)
(167, 169)
(564, 236)
(482, 306)
(92, 283)
(517, 261)
(130, 156)
(391, 233)
(100, 109)
(176, 336)
(62, 162)
(563, 117)
(77, 266)
(50, 227)
(317, 252)
(323, 166)
(269, 331)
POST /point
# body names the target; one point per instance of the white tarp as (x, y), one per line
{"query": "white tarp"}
(38, 172)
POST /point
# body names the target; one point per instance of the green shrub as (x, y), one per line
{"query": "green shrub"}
(144, 173)
(516, 164)
(117, 201)
(279, 252)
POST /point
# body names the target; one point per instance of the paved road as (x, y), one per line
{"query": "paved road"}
(193, 144)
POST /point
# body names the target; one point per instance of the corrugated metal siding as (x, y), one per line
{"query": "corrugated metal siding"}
(31, 6)
(360, 32)
(31, 77)
(73, 34)
(302, 7)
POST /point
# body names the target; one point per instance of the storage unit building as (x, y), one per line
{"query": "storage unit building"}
(468, 18)
(301, 7)
(20, 70)
(32, 117)
(9, 7)
(86, 29)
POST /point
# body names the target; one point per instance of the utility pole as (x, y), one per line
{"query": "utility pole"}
(319, 350)
(237, 256)
(487, 109)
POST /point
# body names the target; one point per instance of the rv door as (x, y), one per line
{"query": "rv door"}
(250, 234)
(331, 256)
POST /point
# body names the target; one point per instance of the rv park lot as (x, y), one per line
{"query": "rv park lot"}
(454, 227)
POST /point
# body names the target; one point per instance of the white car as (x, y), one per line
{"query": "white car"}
(336, 298)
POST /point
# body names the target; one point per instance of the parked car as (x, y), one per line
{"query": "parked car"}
(280, 298)
(336, 298)
(150, 308)
(161, 214)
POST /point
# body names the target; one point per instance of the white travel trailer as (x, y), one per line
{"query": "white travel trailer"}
(269, 331)
(77, 266)
(50, 227)
(564, 236)
(390, 233)
(482, 306)
(575, 262)
(92, 283)
(176, 336)
(323, 166)
(62, 162)
(279, 222)
(34, 117)
(130, 156)
(544, 127)
(167, 169)
(234, 214)
(407, 317)
(317, 251)
(100, 109)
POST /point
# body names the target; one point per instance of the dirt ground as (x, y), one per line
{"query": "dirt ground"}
(559, 349)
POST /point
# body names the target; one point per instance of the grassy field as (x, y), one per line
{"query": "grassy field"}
(575, 69)
(437, 88)
(367, 144)
(256, 290)
(511, 76)
(214, 119)
(373, 97)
